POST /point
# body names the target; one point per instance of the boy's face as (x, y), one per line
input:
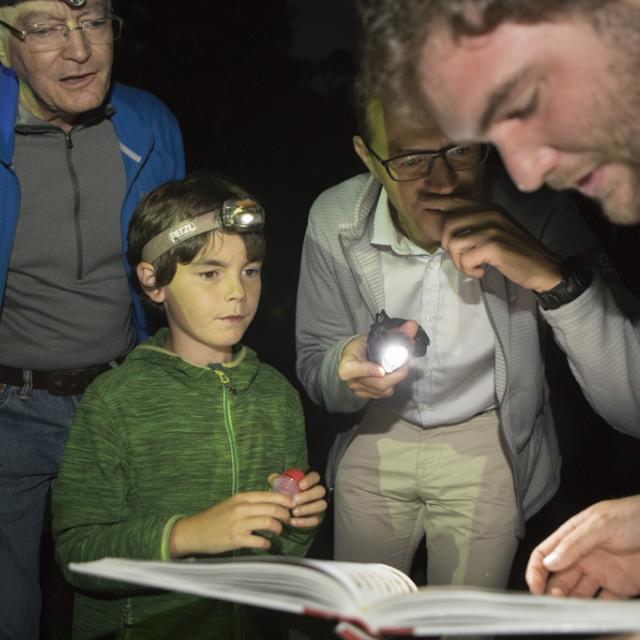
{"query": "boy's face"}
(211, 301)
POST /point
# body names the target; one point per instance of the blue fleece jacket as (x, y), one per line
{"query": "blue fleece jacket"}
(152, 153)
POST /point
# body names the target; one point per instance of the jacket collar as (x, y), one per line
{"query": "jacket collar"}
(239, 373)
(355, 238)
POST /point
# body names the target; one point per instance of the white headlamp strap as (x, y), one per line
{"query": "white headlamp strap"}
(168, 239)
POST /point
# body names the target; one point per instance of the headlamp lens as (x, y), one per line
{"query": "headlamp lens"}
(242, 215)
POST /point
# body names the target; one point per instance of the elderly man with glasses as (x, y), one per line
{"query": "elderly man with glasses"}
(459, 444)
(76, 154)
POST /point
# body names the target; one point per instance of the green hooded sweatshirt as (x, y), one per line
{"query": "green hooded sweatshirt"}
(156, 439)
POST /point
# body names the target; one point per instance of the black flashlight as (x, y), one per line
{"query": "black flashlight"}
(391, 348)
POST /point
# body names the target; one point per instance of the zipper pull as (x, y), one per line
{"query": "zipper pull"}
(224, 379)
(67, 140)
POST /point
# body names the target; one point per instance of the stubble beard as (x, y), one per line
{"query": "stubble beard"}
(622, 124)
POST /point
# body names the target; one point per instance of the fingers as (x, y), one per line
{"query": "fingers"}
(572, 582)
(560, 553)
(409, 328)
(306, 523)
(354, 371)
(576, 538)
(485, 235)
(354, 364)
(309, 502)
(541, 561)
(459, 225)
(310, 479)
(230, 524)
(536, 574)
(263, 497)
(368, 387)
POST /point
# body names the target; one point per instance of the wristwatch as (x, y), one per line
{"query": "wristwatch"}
(576, 278)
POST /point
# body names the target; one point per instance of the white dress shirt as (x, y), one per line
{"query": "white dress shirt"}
(455, 380)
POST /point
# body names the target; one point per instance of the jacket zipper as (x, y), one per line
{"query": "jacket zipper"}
(76, 205)
(228, 424)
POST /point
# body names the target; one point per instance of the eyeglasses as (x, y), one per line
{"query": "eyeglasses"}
(41, 38)
(419, 164)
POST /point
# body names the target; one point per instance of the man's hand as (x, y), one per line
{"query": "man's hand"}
(477, 234)
(367, 379)
(597, 552)
(231, 524)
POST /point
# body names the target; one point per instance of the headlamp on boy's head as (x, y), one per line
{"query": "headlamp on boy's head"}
(241, 215)
(238, 215)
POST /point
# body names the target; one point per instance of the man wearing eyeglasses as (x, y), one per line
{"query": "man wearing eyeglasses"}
(76, 154)
(459, 444)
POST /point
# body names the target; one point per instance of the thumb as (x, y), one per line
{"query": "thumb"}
(409, 328)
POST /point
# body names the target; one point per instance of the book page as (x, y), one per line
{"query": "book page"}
(452, 610)
(287, 584)
(366, 582)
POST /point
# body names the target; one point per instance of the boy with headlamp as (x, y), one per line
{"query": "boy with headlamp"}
(171, 455)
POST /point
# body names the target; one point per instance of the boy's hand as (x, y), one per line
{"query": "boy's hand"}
(309, 503)
(232, 523)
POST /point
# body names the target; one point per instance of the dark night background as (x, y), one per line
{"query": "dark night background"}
(262, 93)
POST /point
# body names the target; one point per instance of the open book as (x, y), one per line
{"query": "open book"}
(376, 598)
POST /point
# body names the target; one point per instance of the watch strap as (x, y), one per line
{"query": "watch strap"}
(576, 278)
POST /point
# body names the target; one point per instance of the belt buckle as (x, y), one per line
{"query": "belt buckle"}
(68, 383)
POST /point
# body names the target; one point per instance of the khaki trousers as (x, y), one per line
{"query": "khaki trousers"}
(397, 482)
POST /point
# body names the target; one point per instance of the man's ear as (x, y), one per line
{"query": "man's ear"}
(363, 153)
(147, 279)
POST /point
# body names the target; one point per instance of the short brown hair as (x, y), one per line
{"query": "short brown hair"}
(394, 32)
(178, 201)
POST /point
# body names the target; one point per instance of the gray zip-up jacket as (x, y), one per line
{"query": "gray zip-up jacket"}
(341, 288)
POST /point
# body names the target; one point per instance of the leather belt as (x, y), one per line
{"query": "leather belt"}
(63, 382)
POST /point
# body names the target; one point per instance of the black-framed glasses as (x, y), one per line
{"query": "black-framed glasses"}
(419, 164)
(44, 37)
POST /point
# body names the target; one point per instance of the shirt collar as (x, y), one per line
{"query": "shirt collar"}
(385, 233)
(27, 122)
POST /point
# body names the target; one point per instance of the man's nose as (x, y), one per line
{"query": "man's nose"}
(442, 178)
(528, 165)
(76, 47)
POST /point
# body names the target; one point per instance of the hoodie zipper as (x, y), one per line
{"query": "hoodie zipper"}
(228, 424)
(76, 205)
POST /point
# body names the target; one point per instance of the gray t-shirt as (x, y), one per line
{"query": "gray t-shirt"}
(67, 302)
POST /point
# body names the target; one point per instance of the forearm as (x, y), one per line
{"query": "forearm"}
(145, 538)
(603, 349)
